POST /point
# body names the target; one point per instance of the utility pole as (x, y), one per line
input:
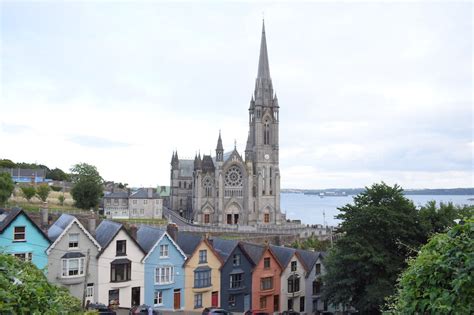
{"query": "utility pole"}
(85, 279)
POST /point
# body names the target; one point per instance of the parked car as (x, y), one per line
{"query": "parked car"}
(290, 313)
(143, 309)
(214, 310)
(102, 309)
(250, 312)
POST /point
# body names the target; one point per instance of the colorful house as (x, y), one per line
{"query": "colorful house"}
(164, 272)
(266, 274)
(21, 237)
(312, 260)
(202, 276)
(72, 258)
(236, 275)
(292, 297)
(120, 268)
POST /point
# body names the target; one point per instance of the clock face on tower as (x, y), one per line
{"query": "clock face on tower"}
(267, 156)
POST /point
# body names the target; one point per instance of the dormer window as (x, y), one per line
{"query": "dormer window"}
(236, 260)
(74, 240)
(19, 234)
(203, 256)
(293, 266)
(164, 251)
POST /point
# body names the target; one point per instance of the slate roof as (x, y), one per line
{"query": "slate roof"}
(309, 258)
(283, 254)
(186, 168)
(59, 226)
(106, 231)
(254, 251)
(142, 193)
(223, 247)
(207, 164)
(147, 236)
(188, 242)
(117, 194)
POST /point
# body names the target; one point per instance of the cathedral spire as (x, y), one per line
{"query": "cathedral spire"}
(263, 67)
(219, 149)
(219, 142)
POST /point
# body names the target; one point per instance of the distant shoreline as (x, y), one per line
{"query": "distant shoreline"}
(340, 192)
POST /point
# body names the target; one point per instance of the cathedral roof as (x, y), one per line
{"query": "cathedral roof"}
(207, 164)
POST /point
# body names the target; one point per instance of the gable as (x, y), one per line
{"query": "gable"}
(132, 248)
(164, 239)
(212, 257)
(19, 218)
(80, 228)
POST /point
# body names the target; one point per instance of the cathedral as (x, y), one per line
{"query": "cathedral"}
(228, 188)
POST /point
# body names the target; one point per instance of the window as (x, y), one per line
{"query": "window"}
(316, 287)
(179, 185)
(120, 272)
(302, 304)
(203, 256)
(134, 201)
(142, 212)
(293, 284)
(293, 265)
(121, 248)
(19, 233)
(145, 202)
(266, 217)
(236, 281)
(229, 218)
(73, 267)
(202, 279)
(206, 218)
(263, 302)
(231, 300)
(158, 299)
(318, 269)
(163, 250)
(266, 283)
(74, 240)
(116, 202)
(90, 290)
(266, 262)
(197, 300)
(24, 256)
(164, 275)
(236, 260)
(266, 133)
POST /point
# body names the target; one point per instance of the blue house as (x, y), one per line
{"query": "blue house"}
(164, 272)
(21, 237)
(236, 275)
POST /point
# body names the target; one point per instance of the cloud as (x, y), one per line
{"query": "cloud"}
(14, 128)
(97, 142)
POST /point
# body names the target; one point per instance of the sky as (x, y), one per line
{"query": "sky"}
(368, 92)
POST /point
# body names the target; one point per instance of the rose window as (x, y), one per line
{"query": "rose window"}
(233, 177)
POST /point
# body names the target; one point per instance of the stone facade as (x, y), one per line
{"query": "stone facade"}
(230, 188)
(143, 203)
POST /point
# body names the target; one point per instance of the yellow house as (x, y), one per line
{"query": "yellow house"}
(202, 278)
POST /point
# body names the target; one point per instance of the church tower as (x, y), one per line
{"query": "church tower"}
(262, 144)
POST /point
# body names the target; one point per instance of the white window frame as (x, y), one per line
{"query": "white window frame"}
(90, 290)
(164, 275)
(164, 251)
(28, 256)
(65, 267)
(158, 298)
(19, 233)
(77, 242)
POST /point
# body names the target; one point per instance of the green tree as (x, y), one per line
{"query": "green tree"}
(61, 199)
(57, 174)
(378, 232)
(440, 279)
(437, 219)
(43, 191)
(6, 187)
(312, 243)
(28, 192)
(87, 188)
(5, 163)
(25, 290)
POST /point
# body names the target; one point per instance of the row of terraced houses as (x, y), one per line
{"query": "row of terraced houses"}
(165, 268)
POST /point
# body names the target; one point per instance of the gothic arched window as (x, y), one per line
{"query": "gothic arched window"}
(266, 132)
(207, 186)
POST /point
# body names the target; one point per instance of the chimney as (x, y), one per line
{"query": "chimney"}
(91, 225)
(172, 230)
(44, 216)
(150, 193)
(133, 231)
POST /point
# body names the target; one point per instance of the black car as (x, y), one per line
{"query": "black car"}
(143, 309)
(290, 313)
(100, 308)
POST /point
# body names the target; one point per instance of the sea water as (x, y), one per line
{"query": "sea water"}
(312, 209)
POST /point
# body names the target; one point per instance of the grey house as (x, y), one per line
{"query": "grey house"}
(236, 275)
(312, 280)
(72, 258)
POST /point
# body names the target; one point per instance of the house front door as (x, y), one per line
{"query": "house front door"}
(135, 296)
(215, 299)
(177, 299)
